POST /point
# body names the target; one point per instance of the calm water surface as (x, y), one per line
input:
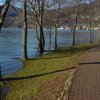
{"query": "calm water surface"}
(11, 42)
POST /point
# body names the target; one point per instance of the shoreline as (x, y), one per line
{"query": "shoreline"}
(53, 67)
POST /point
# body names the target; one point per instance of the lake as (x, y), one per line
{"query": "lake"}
(11, 42)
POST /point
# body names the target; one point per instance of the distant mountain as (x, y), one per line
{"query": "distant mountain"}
(14, 15)
(11, 13)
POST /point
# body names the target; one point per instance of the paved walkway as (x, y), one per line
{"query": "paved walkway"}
(86, 84)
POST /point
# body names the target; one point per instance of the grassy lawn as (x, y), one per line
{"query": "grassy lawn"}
(43, 78)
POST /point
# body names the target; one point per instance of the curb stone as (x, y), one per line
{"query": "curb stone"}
(68, 83)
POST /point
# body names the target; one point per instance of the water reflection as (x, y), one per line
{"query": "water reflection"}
(8, 66)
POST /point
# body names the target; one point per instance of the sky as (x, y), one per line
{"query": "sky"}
(17, 4)
(1, 1)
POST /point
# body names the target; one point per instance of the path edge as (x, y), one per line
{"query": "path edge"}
(68, 83)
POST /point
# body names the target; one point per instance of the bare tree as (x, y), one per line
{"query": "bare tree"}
(56, 18)
(92, 23)
(24, 33)
(37, 7)
(49, 22)
(73, 12)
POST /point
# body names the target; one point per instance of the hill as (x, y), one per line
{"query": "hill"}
(14, 15)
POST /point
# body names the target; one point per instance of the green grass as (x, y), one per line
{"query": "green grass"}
(41, 88)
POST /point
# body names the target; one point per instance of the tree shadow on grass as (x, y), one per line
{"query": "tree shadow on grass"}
(34, 76)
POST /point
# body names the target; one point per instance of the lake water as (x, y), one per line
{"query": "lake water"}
(11, 42)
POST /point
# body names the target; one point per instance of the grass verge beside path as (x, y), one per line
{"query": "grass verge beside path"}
(43, 78)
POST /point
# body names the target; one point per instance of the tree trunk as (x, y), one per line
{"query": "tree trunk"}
(55, 38)
(90, 37)
(41, 37)
(36, 30)
(50, 39)
(41, 41)
(3, 14)
(24, 34)
(73, 38)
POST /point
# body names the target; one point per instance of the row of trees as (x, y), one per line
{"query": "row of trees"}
(54, 14)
